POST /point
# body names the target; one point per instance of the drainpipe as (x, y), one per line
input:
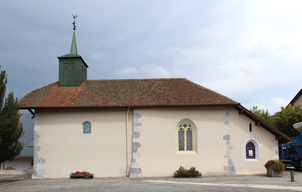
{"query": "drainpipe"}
(127, 162)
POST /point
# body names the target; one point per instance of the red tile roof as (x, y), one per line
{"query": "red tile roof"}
(125, 93)
(170, 92)
(20, 115)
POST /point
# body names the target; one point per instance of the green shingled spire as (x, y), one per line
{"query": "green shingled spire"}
(72, 67)
(73, 50)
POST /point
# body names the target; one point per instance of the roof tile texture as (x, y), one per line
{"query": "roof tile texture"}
(125, 93)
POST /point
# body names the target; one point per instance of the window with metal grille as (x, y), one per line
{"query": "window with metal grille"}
(250, 151)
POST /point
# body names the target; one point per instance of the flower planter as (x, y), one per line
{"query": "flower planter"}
(75, 176)
(276, 173)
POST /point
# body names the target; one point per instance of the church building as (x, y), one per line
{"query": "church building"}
(142, 127)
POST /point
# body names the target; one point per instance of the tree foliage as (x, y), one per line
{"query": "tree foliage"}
(264, 115)
(10, 127)
(282, 120)
(285, 119)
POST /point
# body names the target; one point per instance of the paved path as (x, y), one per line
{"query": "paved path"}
(232, 184)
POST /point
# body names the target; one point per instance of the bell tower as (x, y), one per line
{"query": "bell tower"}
(72, 67)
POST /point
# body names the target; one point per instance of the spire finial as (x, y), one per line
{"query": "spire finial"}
(74, 26)
(73, 50)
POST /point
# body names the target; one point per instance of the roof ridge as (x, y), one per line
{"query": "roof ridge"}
(134, 79)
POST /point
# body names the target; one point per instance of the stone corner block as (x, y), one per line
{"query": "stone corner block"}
(135, 171)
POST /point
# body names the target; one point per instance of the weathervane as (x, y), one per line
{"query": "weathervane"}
(74, 26)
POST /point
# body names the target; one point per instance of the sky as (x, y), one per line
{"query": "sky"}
(249, 51)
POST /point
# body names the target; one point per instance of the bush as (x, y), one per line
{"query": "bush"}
(80, 174)
(182, 172)
(275, 164)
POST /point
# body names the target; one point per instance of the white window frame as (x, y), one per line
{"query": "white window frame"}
(194, 137)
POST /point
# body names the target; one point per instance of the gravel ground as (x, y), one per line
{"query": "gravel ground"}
(230, 183)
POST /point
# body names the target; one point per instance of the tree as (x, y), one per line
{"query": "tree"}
(285, 119)
(264, 115)
(10, 127)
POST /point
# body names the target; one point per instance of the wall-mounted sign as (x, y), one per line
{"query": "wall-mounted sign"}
(250, 152)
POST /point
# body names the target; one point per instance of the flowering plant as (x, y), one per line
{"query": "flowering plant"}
(10, 168)
(182, 172)
(86, 174)
(275, 164)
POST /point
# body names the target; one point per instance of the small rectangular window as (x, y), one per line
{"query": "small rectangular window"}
(66, 65)
(72, 66)
(86, 127)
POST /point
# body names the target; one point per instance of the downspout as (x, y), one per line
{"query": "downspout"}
(127, 162)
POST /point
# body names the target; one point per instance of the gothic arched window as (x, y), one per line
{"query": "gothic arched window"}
(186, 136)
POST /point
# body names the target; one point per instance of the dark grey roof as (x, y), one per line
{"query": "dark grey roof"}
(28, 136)
(292, 102)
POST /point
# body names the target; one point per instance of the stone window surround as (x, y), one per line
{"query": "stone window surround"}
(257, 145)
(194, 137)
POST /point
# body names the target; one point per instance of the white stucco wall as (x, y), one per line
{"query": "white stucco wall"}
(61, 147)
(218, 153)
(240, 135)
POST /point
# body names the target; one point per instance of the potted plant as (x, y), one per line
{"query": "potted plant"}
(276, 166)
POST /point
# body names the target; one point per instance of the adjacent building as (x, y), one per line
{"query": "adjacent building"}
(23, 161)
(297, 100)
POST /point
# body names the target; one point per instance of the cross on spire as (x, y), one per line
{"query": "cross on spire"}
(73, 50)
(74, 26)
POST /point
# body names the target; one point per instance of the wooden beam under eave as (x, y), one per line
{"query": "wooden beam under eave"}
(278, 137)
(241, 112)
(258, 123)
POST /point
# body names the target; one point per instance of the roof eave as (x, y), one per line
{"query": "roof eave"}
(125, 106)
(279, 135)
(75, 56)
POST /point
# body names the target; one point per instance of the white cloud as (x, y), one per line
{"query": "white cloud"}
(126, 71)
(96, 55)
(273, 104)
(155, 71)
(276, 103)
